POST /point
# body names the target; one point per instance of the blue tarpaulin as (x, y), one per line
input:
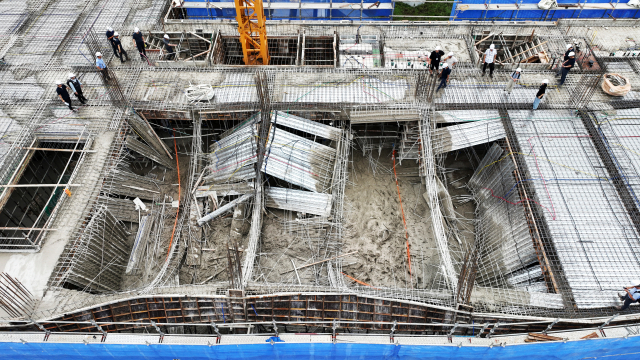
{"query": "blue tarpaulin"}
(618, 348)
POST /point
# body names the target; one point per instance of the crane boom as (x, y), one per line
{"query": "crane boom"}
(253, 32)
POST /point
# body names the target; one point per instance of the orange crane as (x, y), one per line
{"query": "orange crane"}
(253, 32)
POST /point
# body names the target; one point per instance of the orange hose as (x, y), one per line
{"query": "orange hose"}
(175, 145)
(359, 282)
(406, 233)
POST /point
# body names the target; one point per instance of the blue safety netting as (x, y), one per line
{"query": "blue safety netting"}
(316, 14)
(588, 349)
(539, 15)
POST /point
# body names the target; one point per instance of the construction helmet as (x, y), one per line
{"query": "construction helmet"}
(450, 54)
(492, 46)
(71, 75)
(166, 36)
(437, 48)
(519, 70)
(136, 29)
(545, 81)
(59, 82)
(109, 28)
(98, 53)
(569, 46)
(116, 34)
(445, 65)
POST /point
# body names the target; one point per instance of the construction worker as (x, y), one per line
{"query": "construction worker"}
(451, 60)
(540, 94)
(138, 40)
(488, 59)
(434, 60)
(631, 295)
(565, 58)
(110, 34)
(566, 66)
(76, 86)
(169, 46)
(444, 76)
(63, 94)
(102, 67)
(513, 79)
(118, 44)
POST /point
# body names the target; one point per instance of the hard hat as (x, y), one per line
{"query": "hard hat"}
(635, 282)
(59, 82)
(71, 75)
(437, 48)
(545, 81)
(569, 46)
(109, 28)
(166, 36)
(572, 54)
(116, 34)
(492, 46)
(519, 70)
(450, 54)
(445, 65)
(98, 53)
(136, 29)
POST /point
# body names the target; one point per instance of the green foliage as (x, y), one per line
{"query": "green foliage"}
(427, 9)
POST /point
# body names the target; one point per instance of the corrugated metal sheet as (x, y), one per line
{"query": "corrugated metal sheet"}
(299, 161)
(308, 126)
(298, 200)
(461, 136)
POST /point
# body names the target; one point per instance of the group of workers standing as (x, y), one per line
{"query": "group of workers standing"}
(488, 61)
(438, 65)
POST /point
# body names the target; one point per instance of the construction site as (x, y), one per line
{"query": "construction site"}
(327, 187)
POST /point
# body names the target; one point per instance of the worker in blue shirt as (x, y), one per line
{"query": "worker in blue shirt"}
(102, 67)
(169, 46)
(444, 76)
(76, 86)
(110, 34)
(61, 90)
(566, 66)
(119, 48)
(138, 40)
(632, 294)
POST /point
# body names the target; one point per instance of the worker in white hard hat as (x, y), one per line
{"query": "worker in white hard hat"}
(119, 47)
(451, 60)
(631, 295)
(513, 79)
(444, 76)
(169, 46)
(540, 94)
(565, 58)
(102, 67)
(61, 90)
(434, 60)
(110, 34)
(489, 59)
(76, 86)
(138, 41)
(566, 66)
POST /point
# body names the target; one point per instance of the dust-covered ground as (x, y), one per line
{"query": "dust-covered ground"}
(374, 226)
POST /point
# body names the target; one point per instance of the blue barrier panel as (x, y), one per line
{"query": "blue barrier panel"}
(590, 349)
(315, 14)
(539, 15)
